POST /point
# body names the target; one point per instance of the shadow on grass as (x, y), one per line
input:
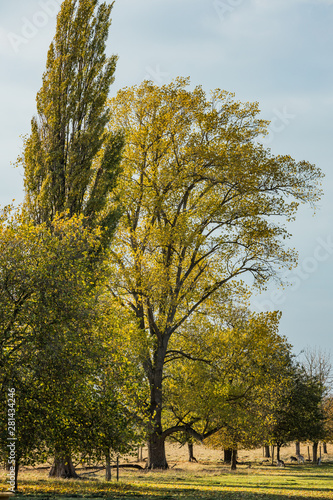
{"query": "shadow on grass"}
(292, 483)
(156, 493)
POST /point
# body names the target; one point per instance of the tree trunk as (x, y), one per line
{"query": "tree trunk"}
(234, 460)
(191, 457)
(156, 440)
(140, 457)
(63, 467)
(298, 448)
(314, 452)
(266, 451)
(107, 466)
(272, 454)
(156, 452)
(17, 466)
(227, 455)
(278, 453)
(324, 447)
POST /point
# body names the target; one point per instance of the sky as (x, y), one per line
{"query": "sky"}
(276, 52)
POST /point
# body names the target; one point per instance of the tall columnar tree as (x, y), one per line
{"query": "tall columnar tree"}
(202, 201)
(70, 162)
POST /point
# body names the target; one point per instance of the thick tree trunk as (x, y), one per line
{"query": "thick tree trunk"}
(107, 466)
(324, 447)
(234, 460)
(63, 468)
(227, 455)
(156, 452)
(156, 440)
(298, 448)
(191, 457)
(266, 451)
(314, 452)
(273, 455)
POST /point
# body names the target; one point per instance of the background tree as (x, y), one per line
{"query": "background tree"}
(200, 195)
(297, 412)
(185, 438)
(222, 370)
(328, 414)
(317, 364)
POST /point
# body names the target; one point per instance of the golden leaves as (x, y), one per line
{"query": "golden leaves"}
(199, 194)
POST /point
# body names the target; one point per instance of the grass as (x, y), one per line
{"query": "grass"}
(209, 481)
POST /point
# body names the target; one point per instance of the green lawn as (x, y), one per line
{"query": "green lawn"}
(212, 482)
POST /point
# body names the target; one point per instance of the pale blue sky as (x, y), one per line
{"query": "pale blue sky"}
(277, 52)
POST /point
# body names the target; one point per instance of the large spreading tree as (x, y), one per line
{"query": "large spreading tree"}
(202, 202)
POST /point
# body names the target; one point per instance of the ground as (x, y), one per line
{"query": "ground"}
(208, 479)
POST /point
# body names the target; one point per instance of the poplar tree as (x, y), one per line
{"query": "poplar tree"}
(70, 161)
